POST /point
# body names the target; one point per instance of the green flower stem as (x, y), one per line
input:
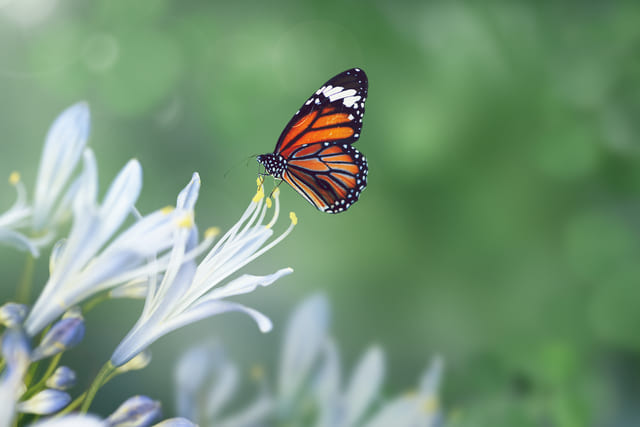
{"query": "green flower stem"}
(41, 384)
(89, 305)
(23, 293)
(101, 379)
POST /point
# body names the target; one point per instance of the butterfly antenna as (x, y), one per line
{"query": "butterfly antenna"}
(253, 156)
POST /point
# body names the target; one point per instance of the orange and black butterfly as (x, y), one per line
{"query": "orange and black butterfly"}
(314, 153)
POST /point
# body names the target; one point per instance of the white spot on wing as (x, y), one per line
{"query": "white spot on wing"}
(350, 101)
(332, 91)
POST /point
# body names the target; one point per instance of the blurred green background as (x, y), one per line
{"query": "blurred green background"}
(500, 225)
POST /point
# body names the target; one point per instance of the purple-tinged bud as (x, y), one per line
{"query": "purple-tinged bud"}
(137, 411)
(44, 403)
(12, 314)
(63, 335)
(62, 378)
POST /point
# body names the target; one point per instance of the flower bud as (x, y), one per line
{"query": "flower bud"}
(12, 314)
(136, 411)
(44, 403)
(62, 378)
(140, 361)
(63, 335)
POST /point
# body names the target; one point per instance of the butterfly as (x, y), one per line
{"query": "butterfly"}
(314, 153)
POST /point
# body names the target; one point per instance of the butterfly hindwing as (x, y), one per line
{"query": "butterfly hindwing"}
(330, 176)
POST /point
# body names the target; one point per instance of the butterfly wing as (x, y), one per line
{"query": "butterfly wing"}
(330, 176)
(332, 114)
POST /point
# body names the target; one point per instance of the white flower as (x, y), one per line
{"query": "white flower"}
(16, 218)
(189, 292)
(85, 264)
(206, 381)
(346, 409)
(62, 150)
(421, 409)
(63, 147)
(305, 337)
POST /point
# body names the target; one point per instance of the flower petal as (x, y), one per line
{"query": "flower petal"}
(245, 284)
(62, 150)
(365, 385)
(326, 386)
(400, 412)
(18, 241)
(305, 335)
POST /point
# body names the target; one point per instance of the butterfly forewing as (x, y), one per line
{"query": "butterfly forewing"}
(332, 113)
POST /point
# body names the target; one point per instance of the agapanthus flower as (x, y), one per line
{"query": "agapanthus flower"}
(190, 291)
(84, 264)
(206, 381)
(31, 226)
(305, 336)
(16, 218)
(311, 390)
(62, 150)
(416, 409)
(346, 408)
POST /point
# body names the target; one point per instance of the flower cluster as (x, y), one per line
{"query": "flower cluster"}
(113, 251)
(309, 389)
(158, 257)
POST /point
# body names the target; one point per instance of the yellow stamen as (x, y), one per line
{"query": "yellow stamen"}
(411, 394)
(257, 372)
(259, 195)
(260, 181)
(294, 218)
(14, 178)
(167, 210)
(268, 202)
(186, 221)
(211, 232)
(430, 405)
(276, 192)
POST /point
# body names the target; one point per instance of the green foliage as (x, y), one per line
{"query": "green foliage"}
(500, 225)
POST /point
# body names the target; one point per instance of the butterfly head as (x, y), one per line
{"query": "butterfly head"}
(273, 164)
